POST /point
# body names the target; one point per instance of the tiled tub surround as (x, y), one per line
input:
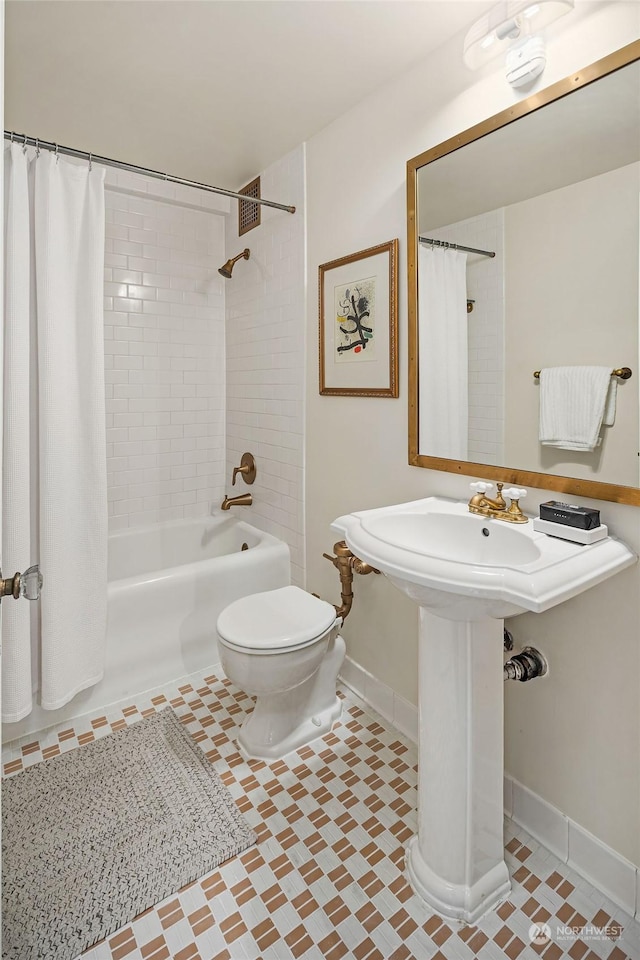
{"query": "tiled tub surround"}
(164, 346)
(265, 358)
(326, 878)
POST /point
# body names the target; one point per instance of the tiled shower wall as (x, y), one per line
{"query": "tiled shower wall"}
(485, 285)
(265, 359)
(164, 346)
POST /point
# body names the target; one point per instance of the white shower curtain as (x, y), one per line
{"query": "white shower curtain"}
(443, 365)
(54, 472)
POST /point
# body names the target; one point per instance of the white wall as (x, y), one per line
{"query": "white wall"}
(572, 738)
(265, 300)
(164, 350)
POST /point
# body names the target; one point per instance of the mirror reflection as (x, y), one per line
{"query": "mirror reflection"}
(528, 261)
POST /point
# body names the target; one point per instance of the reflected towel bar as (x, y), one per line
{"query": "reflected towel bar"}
(625, 373)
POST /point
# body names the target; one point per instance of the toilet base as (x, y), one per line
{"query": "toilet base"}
(308, 730)
(285, 721)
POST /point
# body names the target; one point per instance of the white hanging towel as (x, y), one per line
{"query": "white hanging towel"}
(574, 404)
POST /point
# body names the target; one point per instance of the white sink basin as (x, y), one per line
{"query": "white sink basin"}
(465, 567)
(461, 538)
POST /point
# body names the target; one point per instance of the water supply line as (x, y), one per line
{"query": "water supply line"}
(526, 665)
(346, 563)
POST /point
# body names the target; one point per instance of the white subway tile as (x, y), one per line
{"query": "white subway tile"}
(140, 292)
(140, 348)
(127, 218)
(144, 462)
(143, 264)
(145, 357)
(127, 305)
(127, 333)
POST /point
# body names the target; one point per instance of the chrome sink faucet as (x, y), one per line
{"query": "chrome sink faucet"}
(497, 508)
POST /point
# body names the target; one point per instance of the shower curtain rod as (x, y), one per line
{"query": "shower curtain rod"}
(132, 168)
(456, 246)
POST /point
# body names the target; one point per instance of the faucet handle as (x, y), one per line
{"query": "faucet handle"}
(236, 470)
(481, 486)
(247, 469)
(515, 493)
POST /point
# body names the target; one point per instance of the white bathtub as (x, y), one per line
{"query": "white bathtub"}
(167, 585)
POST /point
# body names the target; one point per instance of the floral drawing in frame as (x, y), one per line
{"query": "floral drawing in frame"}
(358, 323)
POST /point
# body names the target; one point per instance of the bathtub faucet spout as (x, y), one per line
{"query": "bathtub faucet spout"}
(244, 500)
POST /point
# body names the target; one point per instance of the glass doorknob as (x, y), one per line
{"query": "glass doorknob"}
(31, 583)
(27, 584)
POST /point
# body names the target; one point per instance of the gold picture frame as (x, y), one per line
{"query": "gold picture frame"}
(358, 323)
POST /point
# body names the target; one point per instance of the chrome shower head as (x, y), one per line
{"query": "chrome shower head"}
(227, 268)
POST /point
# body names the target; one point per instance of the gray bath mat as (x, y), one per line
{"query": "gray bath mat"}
(97, 835)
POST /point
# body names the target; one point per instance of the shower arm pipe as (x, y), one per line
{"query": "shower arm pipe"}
(456, 246)
(346, 563)
(58, 149)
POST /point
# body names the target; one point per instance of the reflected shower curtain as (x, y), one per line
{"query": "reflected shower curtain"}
(443, 365)
(54, 472)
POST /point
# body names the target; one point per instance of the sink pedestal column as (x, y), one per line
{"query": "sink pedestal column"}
(456, 862)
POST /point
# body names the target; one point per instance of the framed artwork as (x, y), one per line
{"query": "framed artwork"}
(358, 332)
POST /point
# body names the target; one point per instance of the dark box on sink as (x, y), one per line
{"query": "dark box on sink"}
(586, 518)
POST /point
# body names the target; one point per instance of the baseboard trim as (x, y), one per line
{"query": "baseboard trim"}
(608, 871)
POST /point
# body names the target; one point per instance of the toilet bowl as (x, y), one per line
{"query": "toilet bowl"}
(283, 647)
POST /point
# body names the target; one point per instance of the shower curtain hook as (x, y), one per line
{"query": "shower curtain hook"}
(57, 154)
(90, 162)
(11, 136)
(24, 145)
(37, 148)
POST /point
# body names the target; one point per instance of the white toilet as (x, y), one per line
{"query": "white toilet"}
(283, 647)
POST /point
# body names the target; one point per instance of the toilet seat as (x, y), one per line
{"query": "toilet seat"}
(285, 619)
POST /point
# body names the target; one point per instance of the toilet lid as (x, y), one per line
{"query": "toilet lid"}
(276, 619)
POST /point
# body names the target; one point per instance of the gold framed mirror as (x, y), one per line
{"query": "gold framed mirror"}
(520, 185)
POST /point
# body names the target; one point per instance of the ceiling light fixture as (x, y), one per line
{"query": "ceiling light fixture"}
(513, 20)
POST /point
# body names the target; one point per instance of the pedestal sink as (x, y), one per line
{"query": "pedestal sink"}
(467, 573)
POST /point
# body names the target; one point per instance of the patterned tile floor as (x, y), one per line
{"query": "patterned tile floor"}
(325, 879)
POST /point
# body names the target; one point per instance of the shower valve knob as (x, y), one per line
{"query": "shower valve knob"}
(247, 469)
